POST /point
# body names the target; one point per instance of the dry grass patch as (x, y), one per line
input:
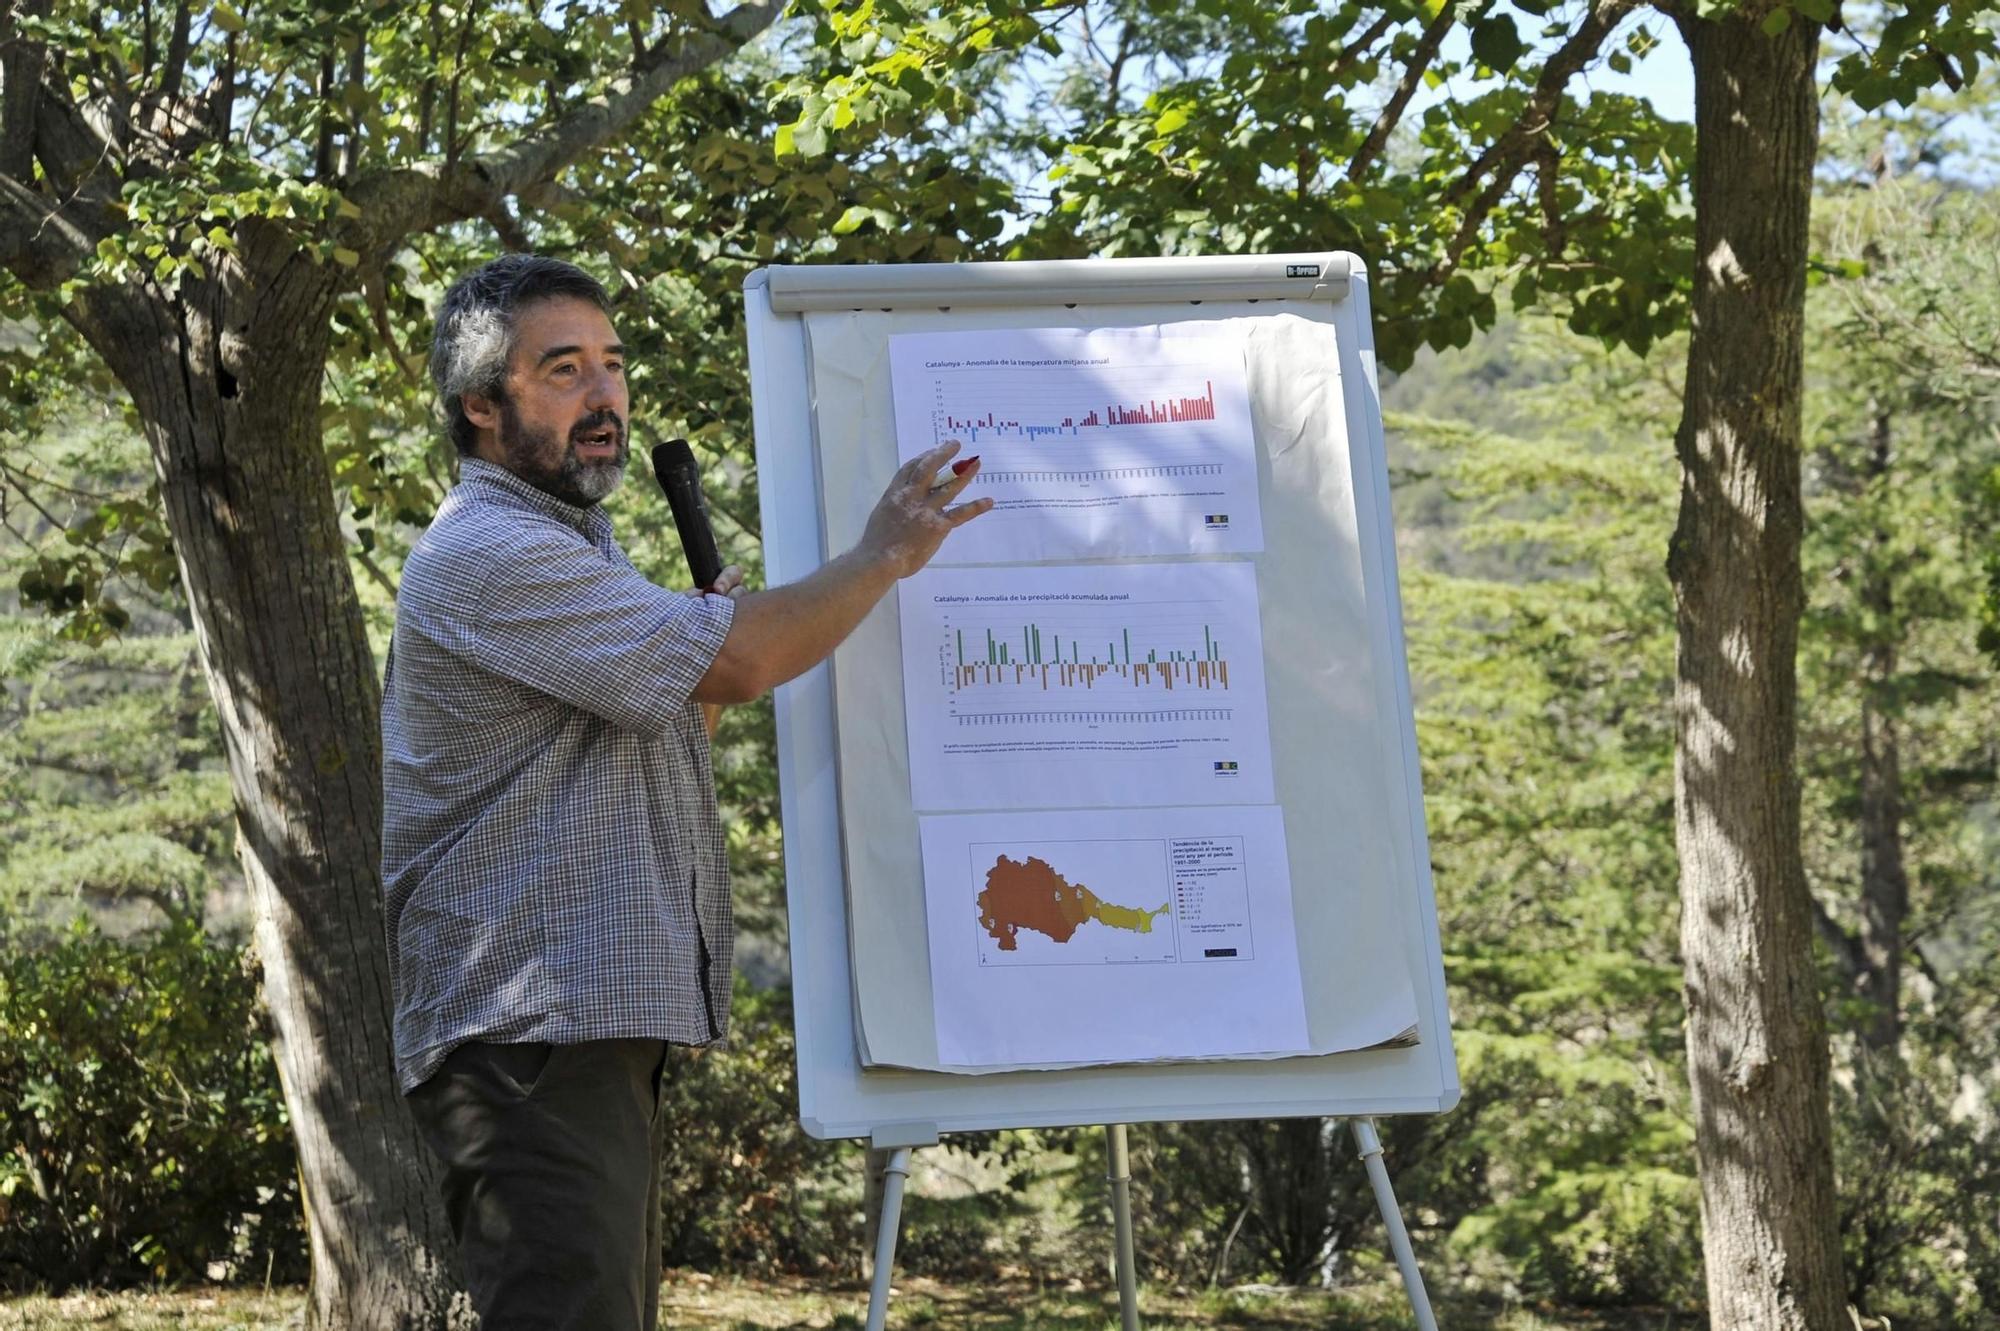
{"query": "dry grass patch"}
(719, 1303)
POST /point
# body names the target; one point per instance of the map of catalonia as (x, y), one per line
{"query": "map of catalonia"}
(1032, 895)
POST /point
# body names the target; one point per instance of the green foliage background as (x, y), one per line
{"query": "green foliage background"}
(143, 1134)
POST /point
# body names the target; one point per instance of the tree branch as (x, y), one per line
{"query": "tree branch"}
(20, 83)
(221, 98)
(374, 289)
(38, 244)
(512, 234)
(21, 76)
(323, 151)
(1507, 153)
(1845, 947)
(451, 93)
(1548, 175)
(177, 54)
(72, 151)
(1468, 227)
(1527, 138)
(357, 79)
(1406, 88)
(372, 569)
(396, 203)
(1351, 52)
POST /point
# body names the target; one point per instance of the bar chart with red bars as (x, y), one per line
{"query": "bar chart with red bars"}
(1092, 441)
(991, 425)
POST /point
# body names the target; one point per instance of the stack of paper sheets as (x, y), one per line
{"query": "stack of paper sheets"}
(1088, 702)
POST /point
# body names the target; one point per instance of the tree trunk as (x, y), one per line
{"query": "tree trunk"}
(227, 378)
(1756, 1035)
(1885, 879)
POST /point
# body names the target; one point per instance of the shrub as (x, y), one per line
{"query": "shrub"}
(742, 1186)
(143, 1131)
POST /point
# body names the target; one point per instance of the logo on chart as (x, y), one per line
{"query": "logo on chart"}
(1215, 521)
(1225, 769)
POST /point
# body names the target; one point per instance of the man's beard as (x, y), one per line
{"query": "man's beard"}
(569, 478)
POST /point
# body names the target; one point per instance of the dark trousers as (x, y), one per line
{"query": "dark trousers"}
(552, 1179)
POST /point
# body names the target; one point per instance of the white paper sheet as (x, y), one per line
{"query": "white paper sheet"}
(1068, 686)
(1111, 936)
(1126, 441)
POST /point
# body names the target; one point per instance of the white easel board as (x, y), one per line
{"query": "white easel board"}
(816, 482)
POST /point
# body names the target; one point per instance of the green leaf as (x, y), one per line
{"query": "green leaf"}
(345, 257)
(810, 140)
(1776, 22)
(851, 220)
(1497, 43)
(225, 17)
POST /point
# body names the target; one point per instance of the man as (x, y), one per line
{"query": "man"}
(555, 876)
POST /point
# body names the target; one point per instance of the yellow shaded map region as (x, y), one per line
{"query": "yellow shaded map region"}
(1030, 894)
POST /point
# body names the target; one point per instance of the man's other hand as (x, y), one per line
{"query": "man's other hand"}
(914, 516)
(728, 583)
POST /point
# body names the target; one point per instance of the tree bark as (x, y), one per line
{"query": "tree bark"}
(226, 375)
(1885, 879)
(1756, 1034)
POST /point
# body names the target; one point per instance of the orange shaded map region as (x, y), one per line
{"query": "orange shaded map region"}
(1030, 894)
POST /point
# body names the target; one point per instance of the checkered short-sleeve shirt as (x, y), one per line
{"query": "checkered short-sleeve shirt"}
(552, 858)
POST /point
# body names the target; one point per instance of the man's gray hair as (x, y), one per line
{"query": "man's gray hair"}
(475, 328)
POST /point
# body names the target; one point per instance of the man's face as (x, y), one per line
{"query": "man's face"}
(560, 426)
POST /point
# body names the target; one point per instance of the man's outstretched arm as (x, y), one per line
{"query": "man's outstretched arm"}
(778, 635)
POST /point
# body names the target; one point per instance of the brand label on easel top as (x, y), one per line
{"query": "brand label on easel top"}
(1301, 270)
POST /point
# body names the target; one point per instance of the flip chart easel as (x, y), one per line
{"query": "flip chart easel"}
(898, 1109)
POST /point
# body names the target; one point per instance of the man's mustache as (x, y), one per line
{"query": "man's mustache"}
(597, 420)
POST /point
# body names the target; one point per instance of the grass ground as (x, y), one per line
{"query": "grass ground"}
(702, 1303)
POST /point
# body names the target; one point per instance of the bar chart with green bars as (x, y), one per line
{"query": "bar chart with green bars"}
(1085, 684)
(1041, 657)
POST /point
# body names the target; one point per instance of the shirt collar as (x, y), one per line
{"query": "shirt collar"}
(491, 477)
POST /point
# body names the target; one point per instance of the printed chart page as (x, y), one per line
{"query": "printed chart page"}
(1095, 442)
(1111, 936)
(1066, 686)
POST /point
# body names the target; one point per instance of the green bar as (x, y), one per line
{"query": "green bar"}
(1128, 645)
(1111, 653)
(992, 657)
(961, 649)
(1208, 642)
(1027, 645)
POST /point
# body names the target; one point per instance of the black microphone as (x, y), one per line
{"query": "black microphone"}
(673, 463)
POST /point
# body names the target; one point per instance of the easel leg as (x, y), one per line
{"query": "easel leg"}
(1120, 1176)
(894, 1174)
(1370, 1146)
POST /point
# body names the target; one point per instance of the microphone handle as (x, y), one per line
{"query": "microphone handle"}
(697, 536)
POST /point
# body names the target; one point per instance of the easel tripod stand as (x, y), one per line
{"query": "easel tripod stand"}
(1367, 1142)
